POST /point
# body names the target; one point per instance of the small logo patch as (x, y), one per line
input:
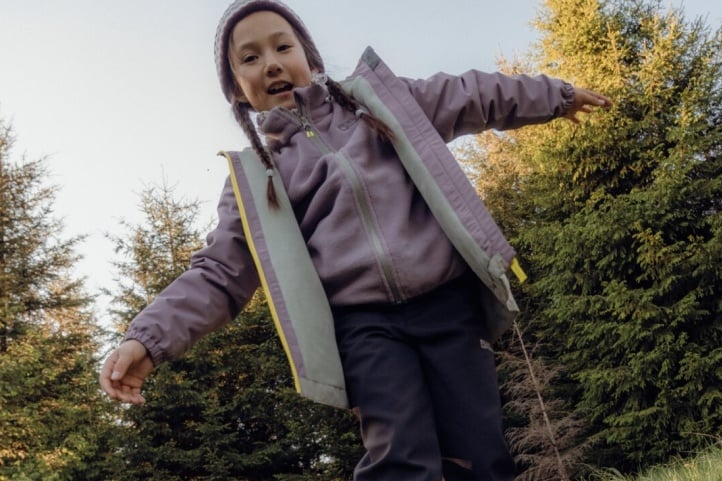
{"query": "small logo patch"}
(486, 345)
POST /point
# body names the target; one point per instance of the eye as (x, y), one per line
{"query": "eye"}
(248, 58)
(284, 47)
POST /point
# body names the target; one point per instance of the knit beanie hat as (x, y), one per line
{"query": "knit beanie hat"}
(236, 12)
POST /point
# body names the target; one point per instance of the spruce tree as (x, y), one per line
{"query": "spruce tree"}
(52, 419)
(618, 224)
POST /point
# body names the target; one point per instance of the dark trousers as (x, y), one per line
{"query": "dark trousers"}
(425, 386)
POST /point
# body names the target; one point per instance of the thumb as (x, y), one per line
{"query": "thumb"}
(126, 356)
(120, 367)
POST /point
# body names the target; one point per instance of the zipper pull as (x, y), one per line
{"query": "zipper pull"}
(306, 125)
(309, 130)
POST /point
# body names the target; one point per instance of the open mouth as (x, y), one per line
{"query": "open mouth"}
(279, 87)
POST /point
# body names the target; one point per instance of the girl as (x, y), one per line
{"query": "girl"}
(385, 275)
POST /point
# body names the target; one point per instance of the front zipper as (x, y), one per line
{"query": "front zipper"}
(358, 192)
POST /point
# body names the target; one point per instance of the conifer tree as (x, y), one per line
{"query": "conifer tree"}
(618, 222)
(226, 410)
(51, 415)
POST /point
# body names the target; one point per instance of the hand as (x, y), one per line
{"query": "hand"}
(124, 372)
(583, 101)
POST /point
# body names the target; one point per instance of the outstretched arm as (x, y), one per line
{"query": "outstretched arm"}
(221, 280)
(475, 101)
(583, 101)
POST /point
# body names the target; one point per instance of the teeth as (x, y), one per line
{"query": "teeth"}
(279, 88)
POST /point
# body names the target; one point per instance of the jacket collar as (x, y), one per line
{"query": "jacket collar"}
(280, 124)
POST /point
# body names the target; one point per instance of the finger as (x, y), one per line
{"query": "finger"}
(129, 394)
(603, 101)
(594, 98)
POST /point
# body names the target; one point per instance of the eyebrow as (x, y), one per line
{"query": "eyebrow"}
(273, 36)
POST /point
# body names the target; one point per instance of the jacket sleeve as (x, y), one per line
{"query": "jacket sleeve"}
(220, 281)
(476, 101)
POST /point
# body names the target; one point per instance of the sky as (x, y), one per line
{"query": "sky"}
(120, 96)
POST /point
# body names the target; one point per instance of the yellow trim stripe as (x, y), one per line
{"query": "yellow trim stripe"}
(264, 282)
(517, 270)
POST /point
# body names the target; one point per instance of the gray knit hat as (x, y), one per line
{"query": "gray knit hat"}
(242, 8)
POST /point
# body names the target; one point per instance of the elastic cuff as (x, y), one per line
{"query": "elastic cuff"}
(567, 96)
(156, 354)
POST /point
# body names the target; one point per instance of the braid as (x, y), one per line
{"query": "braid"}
(349, 103)
(240, 110)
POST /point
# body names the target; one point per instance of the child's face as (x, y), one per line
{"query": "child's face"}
(267, 60)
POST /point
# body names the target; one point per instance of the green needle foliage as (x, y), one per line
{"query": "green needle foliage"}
(51, 416)
(618, 222)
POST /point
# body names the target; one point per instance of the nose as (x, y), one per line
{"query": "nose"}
(273, 67)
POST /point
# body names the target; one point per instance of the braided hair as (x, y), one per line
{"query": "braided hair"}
(351, 104)
(243, 117)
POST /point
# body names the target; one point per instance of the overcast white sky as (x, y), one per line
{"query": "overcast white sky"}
(123, 94)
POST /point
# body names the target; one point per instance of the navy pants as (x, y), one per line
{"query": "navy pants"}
(424, 383)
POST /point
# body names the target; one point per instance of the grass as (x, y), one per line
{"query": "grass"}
(707, 466)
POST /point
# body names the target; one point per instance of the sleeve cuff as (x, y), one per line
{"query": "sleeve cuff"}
(567, 97)
(150, 344)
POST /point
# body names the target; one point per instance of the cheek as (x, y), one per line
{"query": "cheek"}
(304, 70)
(238, 88)
(248, 86)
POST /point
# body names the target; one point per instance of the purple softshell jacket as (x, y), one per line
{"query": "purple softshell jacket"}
(361, 221)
